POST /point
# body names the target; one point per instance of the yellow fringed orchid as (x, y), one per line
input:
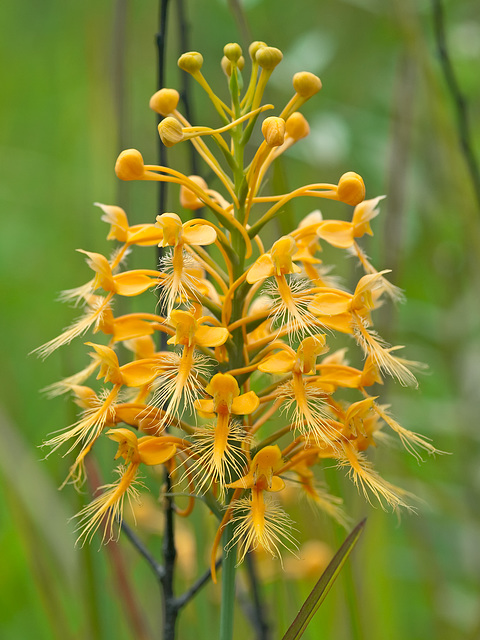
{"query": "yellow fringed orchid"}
(180, 379)
(219, 449)
(178, 281)
(108, 507)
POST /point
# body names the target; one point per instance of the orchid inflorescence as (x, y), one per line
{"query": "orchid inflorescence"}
(249, 399)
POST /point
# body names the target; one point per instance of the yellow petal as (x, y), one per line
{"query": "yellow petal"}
(117, 218)
(342, 322)
(281, 253)
(144, 235)
(211, 336)
(199, 234)
(262, 268)
(245, 404)
(337, 233)
(277, 484)
(281, 362)
(102, 268)
(84, 396)
(171, 226)
(304, 255)
(154, 451)
(107, 354)
(247, 482)
(342, 376)
(122, 435)
(142, 347)
(126, 328)
(138, 373)
(205, 407)
(363, 213)
(330, 303)
(359, 409)
(129, 283)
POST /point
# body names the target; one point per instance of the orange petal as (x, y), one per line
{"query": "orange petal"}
(359, 409)
(138, 373)
(261, 269)
(107, 354)
(363, 213)
(144, 235)
(330, 303)
(205, 407)
(342, 322)
(304, 255)
(337, 233)
(101, 266)
(211, 336)
(199, 234)
(117, 218)
(245, 404)
(342, 376)
(132, 284)
(154, 451)
(277, 484)
(126, 328)
(122, 434)
(246, 482)
(281, 362)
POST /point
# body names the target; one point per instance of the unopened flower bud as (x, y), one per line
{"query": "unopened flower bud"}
(164, 101)
(170, 131)
(296, 126)
(268, 57)
(130, 165)
(351, 188)
(232, 51)
(227, 65)
(306, 84)
(188, 198)
(273, 130)
(191, 62)
(254, 47)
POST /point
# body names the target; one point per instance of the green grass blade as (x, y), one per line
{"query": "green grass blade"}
(320, 590)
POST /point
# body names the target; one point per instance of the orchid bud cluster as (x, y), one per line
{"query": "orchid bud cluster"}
(248, 397)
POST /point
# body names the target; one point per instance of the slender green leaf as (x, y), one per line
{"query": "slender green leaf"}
(320, 590)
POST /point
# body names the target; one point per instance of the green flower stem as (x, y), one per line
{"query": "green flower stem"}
(228, 586)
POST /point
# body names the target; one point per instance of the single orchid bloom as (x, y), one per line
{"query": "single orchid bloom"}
(260, 522)
(304, 402)
(292, 299)
(350, 313)
(180, 378)
(219, 448)
(107, 508)
(175, 264)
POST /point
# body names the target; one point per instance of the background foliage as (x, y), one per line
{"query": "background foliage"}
(76, 82)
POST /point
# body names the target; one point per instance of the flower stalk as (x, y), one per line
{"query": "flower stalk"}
(247, 395)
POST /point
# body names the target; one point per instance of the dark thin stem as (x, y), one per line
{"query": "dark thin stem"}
(169, 557)
(196, 586)
(157, 568)
(259, 614)
(161, 41)
(119, 75)
(460, 104)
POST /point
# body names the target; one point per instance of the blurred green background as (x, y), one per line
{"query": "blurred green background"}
(76, 81)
